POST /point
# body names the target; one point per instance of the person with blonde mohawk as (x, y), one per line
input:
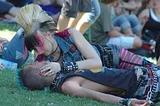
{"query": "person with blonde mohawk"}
(68, 50)
(16, 50)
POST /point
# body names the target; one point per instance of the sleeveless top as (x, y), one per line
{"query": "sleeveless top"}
(112, 56)
(115, 78)
(152, 24)
(136, 85)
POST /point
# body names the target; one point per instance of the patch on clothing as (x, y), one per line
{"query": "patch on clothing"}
(19, 55)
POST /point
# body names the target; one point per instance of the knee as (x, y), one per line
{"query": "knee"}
(132, 18)
(122, 21)
(137, 42)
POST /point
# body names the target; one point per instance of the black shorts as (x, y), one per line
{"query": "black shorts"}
(72, 7)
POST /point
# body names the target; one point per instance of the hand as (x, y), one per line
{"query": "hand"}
(49, 69)
(136, 102)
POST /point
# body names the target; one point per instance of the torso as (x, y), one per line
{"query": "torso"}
(93, 85)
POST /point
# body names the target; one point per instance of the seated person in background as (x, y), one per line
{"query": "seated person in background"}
(131, 6)
(150, 18)
(103, 32)
(8, 10)
(78, 14)
(128, 23)
(108, 86)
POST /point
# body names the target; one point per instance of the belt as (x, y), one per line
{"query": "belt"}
(106, 55)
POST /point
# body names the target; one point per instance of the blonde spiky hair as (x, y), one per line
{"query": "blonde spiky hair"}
(30, 16)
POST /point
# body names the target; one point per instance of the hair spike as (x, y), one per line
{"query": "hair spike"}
(19, 80)
(30, 16)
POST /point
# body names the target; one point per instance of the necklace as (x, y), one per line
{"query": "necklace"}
(55, 50)
(60, 54)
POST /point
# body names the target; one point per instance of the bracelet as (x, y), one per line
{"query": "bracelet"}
(126, 101)
(67, 67)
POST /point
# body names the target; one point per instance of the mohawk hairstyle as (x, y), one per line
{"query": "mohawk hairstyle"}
(30, 16)
(19, 80)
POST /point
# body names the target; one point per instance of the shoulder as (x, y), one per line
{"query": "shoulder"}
(63, 34)
(145, 12)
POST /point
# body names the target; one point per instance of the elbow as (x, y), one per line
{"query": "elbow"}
(98, 62)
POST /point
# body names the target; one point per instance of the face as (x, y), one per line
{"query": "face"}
(155, 4)
(36, 72)
(45, 46)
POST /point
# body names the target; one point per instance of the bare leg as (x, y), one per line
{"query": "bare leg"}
(74, 21)
(62, 23)
(82, 26)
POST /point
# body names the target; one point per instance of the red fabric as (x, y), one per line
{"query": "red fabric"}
(147, 46)
(63, 34)
(39, 58)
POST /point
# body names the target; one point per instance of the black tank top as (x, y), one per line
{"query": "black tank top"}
(115, 78)
(151, 24)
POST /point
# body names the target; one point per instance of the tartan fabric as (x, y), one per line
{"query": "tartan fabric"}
(148, 85)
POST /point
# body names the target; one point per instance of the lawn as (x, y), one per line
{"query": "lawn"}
(11, 96)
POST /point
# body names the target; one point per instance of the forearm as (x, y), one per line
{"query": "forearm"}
(114, 33)
(90, 64)
(91, 58)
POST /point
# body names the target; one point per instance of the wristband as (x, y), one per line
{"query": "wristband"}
(67, 67)
(126, 101)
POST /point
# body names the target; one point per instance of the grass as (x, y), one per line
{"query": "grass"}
(12, 96)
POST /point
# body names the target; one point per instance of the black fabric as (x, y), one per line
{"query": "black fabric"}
(151, 25)
(106, 55)
(116, 78)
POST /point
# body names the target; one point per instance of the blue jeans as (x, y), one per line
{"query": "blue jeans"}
(90, 17)
(125, 21)
(15, 50)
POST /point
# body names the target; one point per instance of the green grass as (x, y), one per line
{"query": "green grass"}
(10, 95)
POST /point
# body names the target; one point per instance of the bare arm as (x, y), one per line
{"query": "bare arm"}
(73, 88)
(114, 33)
(143, 16)
(92, 60)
